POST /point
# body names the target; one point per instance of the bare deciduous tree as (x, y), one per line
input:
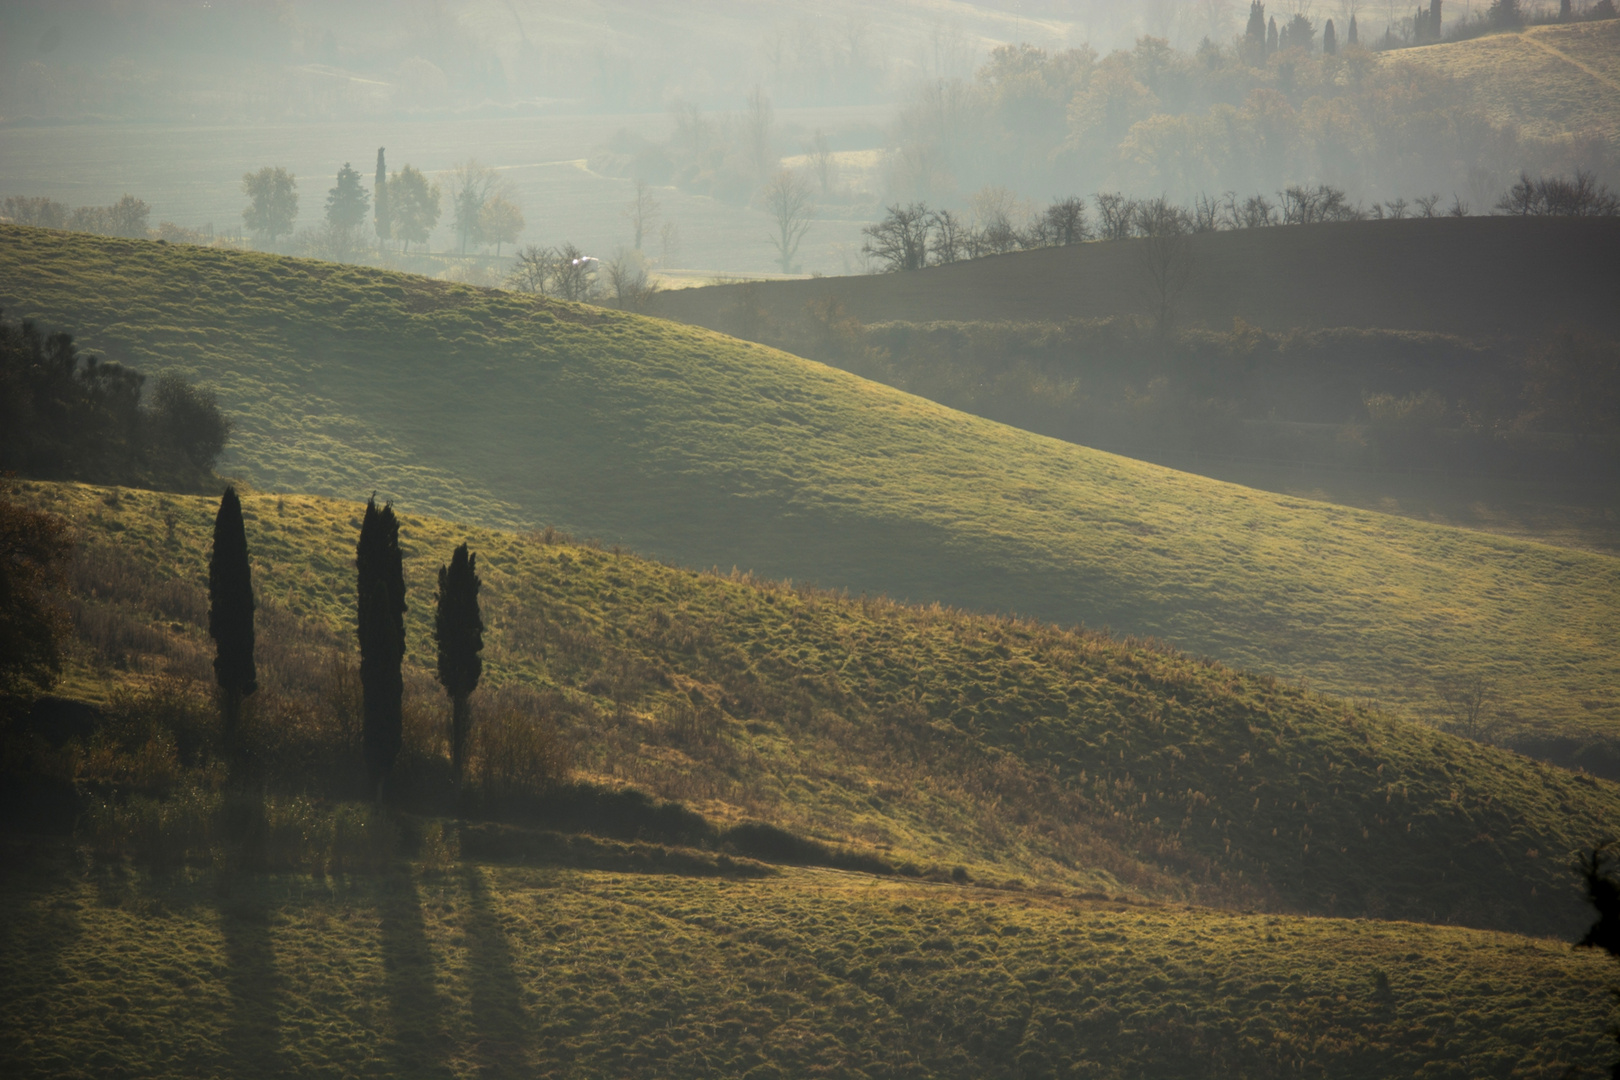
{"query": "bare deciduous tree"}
(900, 240)
(787, 201)
(1166, 266)
(1468, 699)
(641, 212)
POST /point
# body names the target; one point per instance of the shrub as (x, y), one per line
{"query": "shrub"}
(519, 755)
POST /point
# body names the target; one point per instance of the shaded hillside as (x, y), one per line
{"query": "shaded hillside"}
(1471, 276)
(466, 970)
(1548, 81)
(929, 736)
(500, 408)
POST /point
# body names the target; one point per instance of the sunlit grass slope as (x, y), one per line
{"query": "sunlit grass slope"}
(692, 446)
(1549, 81)
(934, 737)
(472, 970)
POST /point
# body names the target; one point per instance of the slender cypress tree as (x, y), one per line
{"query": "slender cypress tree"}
(381, 622)
(230, 616)
(379, 199)
(459, 630)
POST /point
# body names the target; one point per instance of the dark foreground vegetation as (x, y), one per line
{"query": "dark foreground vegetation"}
(67, 416)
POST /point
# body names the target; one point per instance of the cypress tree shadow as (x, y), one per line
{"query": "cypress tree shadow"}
(252, 1044)
(420, 1045)
(502, 1029)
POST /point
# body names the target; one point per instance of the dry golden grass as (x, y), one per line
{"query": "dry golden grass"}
(1549, 81)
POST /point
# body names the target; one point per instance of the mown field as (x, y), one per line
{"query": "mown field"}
(929, 738)
(477, 970)
(1549, 81)
(687, 445)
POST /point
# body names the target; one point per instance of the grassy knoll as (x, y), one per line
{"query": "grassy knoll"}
(929, 736)
(462, 970)
(1548, 81)
(688, 445)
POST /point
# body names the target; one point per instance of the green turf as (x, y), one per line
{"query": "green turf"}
(481, 971)
(1017, 750)
(684, 444)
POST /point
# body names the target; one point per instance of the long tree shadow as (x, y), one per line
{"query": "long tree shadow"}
(503, 1034)
(421, 1046)
(252, 1042)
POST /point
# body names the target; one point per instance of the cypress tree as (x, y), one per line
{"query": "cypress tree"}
(1351, 37)
(379, 198)
(459, 630)
(230, 616)
(381, 626)
(1330, 42)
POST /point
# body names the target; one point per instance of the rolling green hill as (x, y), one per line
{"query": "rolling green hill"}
(930, 736)
(1068, 774)
(687, 445)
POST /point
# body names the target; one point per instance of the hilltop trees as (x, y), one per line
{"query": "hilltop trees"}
(459, 631)
(381, 624)
(900, 240)
(272, 203)
(413, 206)
(379, 186)
(66, 416)
(230, 616)
(471, 186)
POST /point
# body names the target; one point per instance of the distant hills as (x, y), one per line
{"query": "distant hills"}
(503, 409)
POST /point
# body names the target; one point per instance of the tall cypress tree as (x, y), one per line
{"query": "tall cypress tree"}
(459, 630)
(230, 616)
(381, 625)
(379, 198)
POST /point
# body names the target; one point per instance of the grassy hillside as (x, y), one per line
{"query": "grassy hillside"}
(687, 445)
(1549, 81)
(1472, 276)
(930, 737)
(465, 970)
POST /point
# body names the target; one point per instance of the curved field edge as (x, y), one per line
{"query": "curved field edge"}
(1013, 747)
(688, 445)
(477, 970)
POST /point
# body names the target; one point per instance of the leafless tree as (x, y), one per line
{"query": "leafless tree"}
(669, 243)
(1065, 221)
(641, 212)
(900, 240)
(627, 279)
(787, 201)
(1166, 266)
(822, 163)
(1115, 214)
(949, 240)
(532, 270)
(573, 274)
(1468, 699)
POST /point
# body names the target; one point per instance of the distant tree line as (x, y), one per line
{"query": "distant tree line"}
(1243, 117)
(73, 417)
(912, 236)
